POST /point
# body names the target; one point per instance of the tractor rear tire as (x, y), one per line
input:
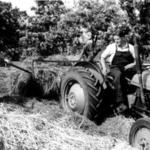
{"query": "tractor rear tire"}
(139, 136)
(82, 92)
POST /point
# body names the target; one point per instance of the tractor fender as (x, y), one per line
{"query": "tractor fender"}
(95, 70)
(90, 65)
(145, 80)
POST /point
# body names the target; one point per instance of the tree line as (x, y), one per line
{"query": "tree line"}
(55, 29)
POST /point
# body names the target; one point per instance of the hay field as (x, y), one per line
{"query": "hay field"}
(45, 126)
(38, 124)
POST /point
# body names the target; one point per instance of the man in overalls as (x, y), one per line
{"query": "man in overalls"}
(121, 57)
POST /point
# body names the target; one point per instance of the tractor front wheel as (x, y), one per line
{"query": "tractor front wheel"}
(140, 134)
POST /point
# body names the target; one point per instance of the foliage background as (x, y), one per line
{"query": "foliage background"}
(56, 29)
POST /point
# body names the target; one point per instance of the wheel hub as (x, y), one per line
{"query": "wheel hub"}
(76, 98)
(144, 144)
(142, 139)
(72, 100)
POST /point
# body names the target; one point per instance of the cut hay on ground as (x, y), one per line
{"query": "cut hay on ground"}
(118, 127)
(45, 126)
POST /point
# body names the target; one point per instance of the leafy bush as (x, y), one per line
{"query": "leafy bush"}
(9, 30)
(57, 30)
(138, 14)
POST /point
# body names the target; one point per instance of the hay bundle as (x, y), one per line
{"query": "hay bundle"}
(49, 80)
(49, 77)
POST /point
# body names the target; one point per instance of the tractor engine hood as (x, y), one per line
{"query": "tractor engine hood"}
(145, 79)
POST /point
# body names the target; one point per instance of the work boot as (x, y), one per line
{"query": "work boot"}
(121, 108)
(121, 103)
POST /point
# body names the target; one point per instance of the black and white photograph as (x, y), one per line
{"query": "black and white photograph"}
(74, 74)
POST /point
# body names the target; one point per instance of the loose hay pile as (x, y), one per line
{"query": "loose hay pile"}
(118, 127)
(47, 127)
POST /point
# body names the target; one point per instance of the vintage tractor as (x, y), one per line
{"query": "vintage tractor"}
(85, 90)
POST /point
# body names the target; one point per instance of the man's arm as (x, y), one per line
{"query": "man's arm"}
(131, 65)
(105, 55)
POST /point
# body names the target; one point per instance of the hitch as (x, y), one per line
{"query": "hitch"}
(8, 62)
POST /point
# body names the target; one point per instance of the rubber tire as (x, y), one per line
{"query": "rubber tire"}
(91, 87)
(140, 123)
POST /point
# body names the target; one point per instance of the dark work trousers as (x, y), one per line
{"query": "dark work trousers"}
(121, 59)
(119, 82)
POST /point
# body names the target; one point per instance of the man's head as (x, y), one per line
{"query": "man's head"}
(86, 36)
(120, 36)
(119, 40)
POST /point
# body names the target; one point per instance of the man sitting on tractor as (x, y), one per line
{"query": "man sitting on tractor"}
(121, 57)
